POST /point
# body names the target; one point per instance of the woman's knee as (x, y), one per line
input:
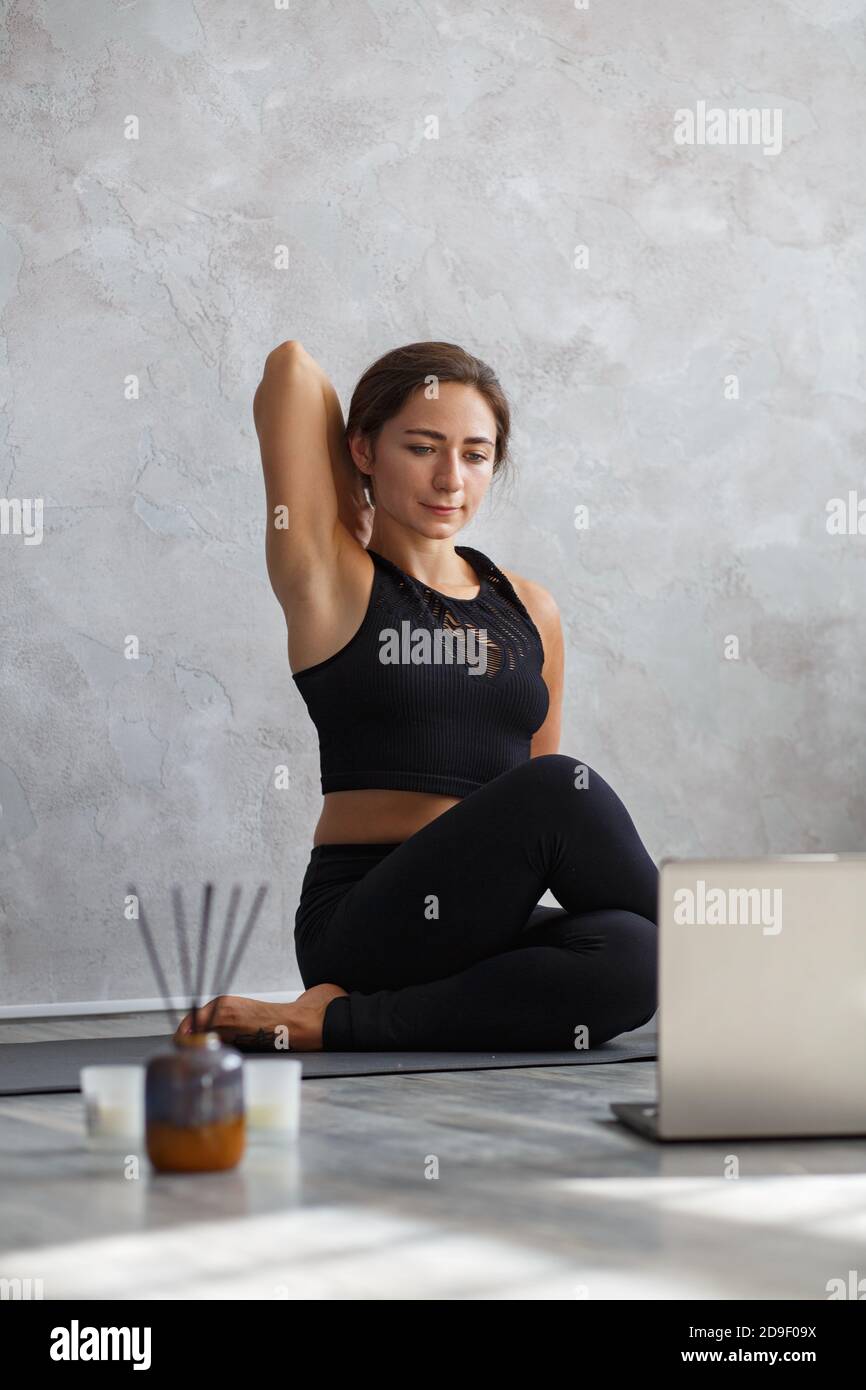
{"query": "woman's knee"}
(556, 775)
(570, 790)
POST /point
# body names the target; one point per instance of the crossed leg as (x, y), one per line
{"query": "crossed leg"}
(442, 944)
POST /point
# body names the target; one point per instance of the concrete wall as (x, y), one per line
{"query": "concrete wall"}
(694, 378)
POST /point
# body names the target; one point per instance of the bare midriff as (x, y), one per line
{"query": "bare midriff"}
(377, 816)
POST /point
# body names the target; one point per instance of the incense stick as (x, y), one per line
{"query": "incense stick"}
(224, 973)
(202, 952)
(224, 970)
(228, 929)
(247, 931)
(182, 948)
(161, 983)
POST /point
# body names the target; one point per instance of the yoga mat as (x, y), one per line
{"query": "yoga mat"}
(37, 1068)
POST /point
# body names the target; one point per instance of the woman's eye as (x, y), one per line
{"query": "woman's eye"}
(427, 449)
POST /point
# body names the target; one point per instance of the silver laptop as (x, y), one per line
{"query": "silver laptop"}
(762, 999)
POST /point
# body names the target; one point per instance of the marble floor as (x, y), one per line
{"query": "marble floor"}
(510, 1184)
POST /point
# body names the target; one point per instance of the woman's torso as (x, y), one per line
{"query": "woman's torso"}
(321, 626)
(375, 816)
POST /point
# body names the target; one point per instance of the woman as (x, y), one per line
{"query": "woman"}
(435, 681)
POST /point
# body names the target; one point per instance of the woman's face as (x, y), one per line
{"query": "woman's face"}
(434, 461)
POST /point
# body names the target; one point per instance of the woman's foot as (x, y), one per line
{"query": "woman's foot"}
(257, 1025)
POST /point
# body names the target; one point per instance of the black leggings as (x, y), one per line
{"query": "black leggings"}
(440, 941)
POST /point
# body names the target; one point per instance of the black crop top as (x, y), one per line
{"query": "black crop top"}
(419, 699)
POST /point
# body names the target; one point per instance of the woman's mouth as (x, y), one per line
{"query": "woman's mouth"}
(440, 511)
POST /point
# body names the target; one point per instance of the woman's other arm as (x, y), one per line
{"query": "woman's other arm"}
(545, 614)
(316, 508)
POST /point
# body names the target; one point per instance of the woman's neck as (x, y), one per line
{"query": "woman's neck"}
(426, 558)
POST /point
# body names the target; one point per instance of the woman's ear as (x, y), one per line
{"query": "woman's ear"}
(363, 457)
(359, 450)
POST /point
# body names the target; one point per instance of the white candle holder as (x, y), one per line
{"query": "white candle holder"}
(272, 1099)
(113, 1098)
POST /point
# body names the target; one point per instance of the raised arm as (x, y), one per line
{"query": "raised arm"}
(315, 500)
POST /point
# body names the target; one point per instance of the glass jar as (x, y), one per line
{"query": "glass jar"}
(194, 1106)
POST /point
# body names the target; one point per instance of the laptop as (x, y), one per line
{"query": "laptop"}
(762, 999)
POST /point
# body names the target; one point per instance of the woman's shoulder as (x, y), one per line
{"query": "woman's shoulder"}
(539, 601)
(542, 609)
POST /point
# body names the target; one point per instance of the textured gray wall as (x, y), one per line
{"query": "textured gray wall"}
(309, 127)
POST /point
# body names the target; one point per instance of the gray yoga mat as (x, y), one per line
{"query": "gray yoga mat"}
(35, 1068)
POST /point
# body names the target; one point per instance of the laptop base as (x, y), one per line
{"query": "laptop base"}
(643, 1118)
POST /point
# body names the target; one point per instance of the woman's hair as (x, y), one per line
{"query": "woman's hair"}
(388, 383)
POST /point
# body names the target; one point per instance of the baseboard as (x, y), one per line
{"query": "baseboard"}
(73, 1007)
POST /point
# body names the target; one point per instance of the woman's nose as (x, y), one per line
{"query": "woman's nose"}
(449, 471)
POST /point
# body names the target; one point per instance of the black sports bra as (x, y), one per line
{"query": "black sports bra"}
(432, 693)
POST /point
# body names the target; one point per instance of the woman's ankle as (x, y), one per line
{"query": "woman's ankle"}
(303, 1027)
(305, 1018)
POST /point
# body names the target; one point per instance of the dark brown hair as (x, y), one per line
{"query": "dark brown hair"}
(388, 383)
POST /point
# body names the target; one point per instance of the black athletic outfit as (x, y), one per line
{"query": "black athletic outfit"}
(439, 939)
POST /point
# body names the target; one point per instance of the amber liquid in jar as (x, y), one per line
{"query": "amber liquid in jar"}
(194, 1106)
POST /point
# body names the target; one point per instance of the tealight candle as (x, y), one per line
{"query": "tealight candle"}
(113, 1105)
(272, 1097)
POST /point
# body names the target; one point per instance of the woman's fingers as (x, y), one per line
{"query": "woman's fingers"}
(226, 1015)
(204, 1019)
(208, 1013)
